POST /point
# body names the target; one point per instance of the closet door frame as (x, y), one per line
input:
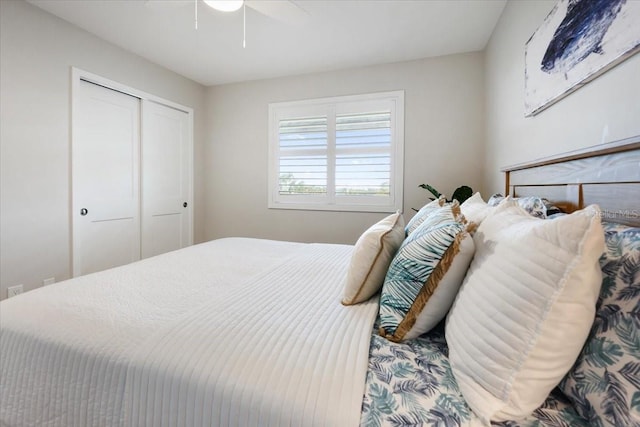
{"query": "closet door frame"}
(78, 75)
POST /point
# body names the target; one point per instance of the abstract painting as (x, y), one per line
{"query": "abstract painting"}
(578, 41)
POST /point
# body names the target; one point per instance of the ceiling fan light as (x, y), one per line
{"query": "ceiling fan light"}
(224, 5)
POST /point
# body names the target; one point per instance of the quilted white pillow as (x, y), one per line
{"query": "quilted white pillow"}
(525, 308)
(371, 257)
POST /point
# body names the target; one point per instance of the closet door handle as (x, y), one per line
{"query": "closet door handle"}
(185, 204)
(84, 211)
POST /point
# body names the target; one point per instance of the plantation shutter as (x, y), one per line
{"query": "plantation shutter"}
(343, 153)
(303, 156)
(363, 154)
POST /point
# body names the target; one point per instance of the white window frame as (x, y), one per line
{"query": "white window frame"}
(331, 107)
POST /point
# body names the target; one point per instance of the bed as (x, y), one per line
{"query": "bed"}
(248, 332)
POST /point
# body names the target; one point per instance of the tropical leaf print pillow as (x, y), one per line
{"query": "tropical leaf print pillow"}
(423, 214)
(604, 384)
(425, 274)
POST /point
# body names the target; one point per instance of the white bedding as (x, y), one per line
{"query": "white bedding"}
(234, 332)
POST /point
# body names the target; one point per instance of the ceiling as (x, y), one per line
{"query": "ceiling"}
(332, 35)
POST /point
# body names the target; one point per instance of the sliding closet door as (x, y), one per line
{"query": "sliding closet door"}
(105, 176)
(166, 179)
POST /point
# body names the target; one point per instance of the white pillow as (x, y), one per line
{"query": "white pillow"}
(525, 308)
(371, 257)
(474, 209)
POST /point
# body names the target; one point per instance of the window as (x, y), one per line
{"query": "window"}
(343, 154)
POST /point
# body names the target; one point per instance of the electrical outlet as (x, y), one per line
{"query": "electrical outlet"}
(12, 291)
(49, 281)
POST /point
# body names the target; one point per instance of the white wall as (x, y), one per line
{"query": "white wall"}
(605, 110)
(37, 51)
(444, 137)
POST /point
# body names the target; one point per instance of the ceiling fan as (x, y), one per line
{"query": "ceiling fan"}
(286, 11)
(282, 10)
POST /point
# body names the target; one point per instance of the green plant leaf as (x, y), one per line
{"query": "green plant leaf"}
(462, 193)
(431, 190)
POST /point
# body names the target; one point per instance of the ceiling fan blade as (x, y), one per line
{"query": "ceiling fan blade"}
(166, 4)
(283, 10)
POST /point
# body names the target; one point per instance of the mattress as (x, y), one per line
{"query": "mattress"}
(233, 332)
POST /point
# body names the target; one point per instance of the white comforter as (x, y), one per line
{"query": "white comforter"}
(234, 332)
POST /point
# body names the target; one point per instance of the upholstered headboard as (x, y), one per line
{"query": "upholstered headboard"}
(607, 175)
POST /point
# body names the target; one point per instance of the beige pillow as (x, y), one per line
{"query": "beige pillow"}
(371, 257)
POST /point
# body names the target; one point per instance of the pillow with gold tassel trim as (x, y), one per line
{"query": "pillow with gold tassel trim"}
(425, 275)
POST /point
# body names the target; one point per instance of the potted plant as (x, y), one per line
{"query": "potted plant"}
(461, 193)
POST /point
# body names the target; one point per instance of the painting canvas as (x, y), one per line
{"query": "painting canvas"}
(578, 41)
